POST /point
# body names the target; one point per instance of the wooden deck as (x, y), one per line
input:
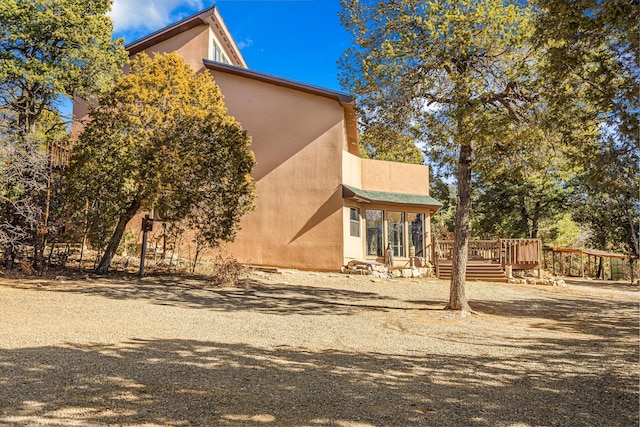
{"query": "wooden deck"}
(488, 259)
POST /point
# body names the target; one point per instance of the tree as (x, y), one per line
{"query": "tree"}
(443, 222)
(528, 177)
(591, 54)
(49, 49)
(23, 180)
(593, 47)
(458, 71)
(53, 48)
(162, 139)
(386, 143)
(611, 206)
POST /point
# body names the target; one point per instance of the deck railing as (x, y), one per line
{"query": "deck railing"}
(59, 154)
(518, 253)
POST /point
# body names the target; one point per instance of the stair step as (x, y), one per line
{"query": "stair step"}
(483, 271)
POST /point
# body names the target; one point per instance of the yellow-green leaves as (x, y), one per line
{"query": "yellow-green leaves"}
(162, 138)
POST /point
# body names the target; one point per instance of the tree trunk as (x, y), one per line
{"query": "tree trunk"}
(634, 236)
(114, 242)
(457, 295)
(535, 221)
(534, 227)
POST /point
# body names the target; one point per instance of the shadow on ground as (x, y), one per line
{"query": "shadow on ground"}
(267, 298)
(183, 382)
(578, 367)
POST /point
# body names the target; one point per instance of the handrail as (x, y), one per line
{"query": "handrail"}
(515, 252)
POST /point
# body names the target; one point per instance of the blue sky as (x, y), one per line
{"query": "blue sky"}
(300, 40)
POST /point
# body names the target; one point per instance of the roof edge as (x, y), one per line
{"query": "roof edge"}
(341, 97)
(383, 197)
(169, 31)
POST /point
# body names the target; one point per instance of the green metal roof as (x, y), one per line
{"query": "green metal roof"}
(385, 197)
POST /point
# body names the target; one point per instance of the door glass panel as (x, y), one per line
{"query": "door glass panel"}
(416, 232)
(396, 233)
(374, 232)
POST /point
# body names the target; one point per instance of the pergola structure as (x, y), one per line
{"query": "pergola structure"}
(594, 259)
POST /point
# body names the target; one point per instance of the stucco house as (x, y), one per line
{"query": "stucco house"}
(319, 205)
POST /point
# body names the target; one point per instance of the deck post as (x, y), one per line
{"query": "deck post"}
(539, 243)
(436, 256)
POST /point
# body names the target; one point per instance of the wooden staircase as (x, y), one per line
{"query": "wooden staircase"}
(476, 270)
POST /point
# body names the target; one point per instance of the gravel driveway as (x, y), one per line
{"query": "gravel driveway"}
(316, 349)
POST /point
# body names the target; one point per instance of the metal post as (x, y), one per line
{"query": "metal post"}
(147, 225)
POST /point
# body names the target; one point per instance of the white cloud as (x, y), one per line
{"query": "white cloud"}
(244, 43)
(128, 15)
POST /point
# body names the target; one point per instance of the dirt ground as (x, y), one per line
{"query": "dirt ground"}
(316, 349)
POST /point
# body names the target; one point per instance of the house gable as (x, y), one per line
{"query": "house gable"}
(220, 44)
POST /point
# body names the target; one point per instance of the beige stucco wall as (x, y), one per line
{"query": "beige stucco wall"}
(395, 177)
(192, 45)
(351, 170)
(297, 139)
(352, 175)
(380, 175)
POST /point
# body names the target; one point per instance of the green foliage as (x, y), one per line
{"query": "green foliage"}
(385, 143)
(128, 244)
(609, 201)
(560, 231)
(53, 48)
(162, 139)
(523, 177)
(439, 68)
(443, 222)
(591, 56)
(515, 208)
(49, 49)
(592, 48)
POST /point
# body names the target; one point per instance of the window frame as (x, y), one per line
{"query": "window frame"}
(354, 224)
(380, 234)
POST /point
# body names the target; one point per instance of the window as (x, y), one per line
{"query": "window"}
(398, 231)
(354, 219)
(416, 232)
(395, 233)
(374, 220)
